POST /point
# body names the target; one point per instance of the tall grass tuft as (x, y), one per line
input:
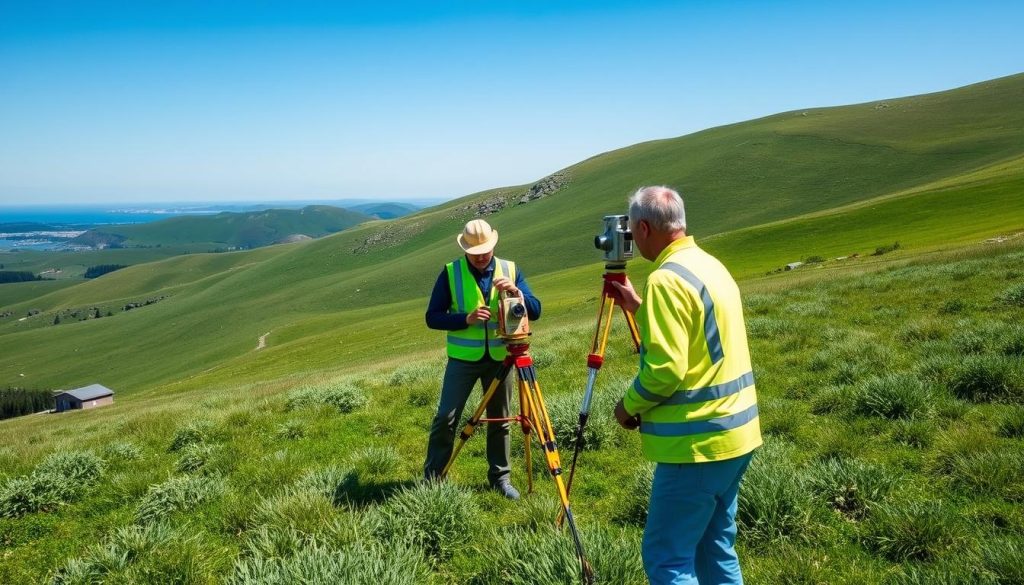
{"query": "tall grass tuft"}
(1004, 558)
(997, 471)
(120, 451)
(177, 494)
(988, 378)
(305, 512)
(60, 478)
(633, 507)
(773, 501)
(893, 396)
(438, 517)
(315, 562)
(601, 430)
(850, 486)
(1011, 424)
(1013, 296)
(193, 457)
(192, 433)
(911, 530)
(547, 555)
(343, 396)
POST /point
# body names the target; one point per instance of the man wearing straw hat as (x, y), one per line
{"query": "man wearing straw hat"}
(464, 303)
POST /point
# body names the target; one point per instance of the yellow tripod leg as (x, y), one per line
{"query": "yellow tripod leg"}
(474, 420)
(524, 411)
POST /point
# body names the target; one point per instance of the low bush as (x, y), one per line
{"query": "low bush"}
(192, 433)
(438, 517)
(850, 486)
(1013, 296)
(60, 478)
(893, 396)
(912, 530)
(988, 378)
(177, 494)
(343, 396)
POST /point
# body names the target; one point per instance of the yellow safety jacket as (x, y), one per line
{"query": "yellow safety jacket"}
(694, 391)
(474, 341)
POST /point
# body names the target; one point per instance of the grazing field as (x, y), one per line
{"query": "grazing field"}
(892, 401)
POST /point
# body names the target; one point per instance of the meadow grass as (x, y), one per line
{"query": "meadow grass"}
(892, 455)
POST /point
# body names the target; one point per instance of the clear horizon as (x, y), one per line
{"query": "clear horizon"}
(201, 102)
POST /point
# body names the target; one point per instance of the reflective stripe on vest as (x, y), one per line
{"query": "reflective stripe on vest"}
(711, 336)
(471, 343)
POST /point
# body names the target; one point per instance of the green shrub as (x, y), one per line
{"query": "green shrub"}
(343, 396)
(886, 249)
(60, 478)
(122, 451)
(177, 494)
(637, 496)
(909, 530)
(1013, 296)
(850, 486)
(893, 396)
(438, 517)
(291, 430)
(773, 502)
(1011, 424)
(193, 457)
(988, 379)
(548, 556)
(191, 434)
(376, 462)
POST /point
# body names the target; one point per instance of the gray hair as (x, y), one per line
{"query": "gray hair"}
(661, 207)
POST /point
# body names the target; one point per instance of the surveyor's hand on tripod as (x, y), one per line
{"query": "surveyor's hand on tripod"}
(480, 314)
(627, 296)
(625, 421)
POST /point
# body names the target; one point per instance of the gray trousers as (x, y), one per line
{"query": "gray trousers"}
(459, 379)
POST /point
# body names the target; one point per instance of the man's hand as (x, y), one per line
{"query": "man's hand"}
(505, 285)
(480, 314)
(625, 421)
(627, 296)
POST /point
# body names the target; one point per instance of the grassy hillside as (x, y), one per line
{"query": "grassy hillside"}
(927, 171)
(236, 230)
(892, 407)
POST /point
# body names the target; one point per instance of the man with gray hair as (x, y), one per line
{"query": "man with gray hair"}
(693, 398)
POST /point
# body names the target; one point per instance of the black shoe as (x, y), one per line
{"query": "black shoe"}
(506, 489)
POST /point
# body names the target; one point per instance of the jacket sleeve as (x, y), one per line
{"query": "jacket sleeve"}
(532, 302)
(664, 358)
(438, 316)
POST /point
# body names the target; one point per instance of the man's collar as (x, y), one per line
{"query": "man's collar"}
(675, 246)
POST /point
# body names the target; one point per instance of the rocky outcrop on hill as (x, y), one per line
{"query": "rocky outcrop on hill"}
(293, 238)
(391, 235)
(547, 186)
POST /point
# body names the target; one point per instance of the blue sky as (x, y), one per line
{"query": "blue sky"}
(219, 101)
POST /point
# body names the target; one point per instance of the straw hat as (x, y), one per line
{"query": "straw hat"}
(477, 237)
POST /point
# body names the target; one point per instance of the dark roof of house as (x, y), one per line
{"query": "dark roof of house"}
(91, 392)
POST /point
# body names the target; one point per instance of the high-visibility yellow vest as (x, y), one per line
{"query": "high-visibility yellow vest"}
(471, 343)
(694, 391)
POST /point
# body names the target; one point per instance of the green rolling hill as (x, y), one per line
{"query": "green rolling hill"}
(928, 171)
(247, 230)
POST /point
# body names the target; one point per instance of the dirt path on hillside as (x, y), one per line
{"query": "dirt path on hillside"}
(262, 341)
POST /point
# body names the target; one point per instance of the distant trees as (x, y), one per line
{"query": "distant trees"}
(101, 269)
(19, 401)
(17, 276)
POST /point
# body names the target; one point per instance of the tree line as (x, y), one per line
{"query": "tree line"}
(17, 276)
(19, 401)
(101, 269)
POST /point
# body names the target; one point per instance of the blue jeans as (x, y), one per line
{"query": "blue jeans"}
(691, 523)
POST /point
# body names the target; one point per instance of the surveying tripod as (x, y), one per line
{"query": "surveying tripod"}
(613, 272)
(533, 417)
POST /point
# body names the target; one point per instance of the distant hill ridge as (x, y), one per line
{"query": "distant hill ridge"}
(938, 169)
(246, 230)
